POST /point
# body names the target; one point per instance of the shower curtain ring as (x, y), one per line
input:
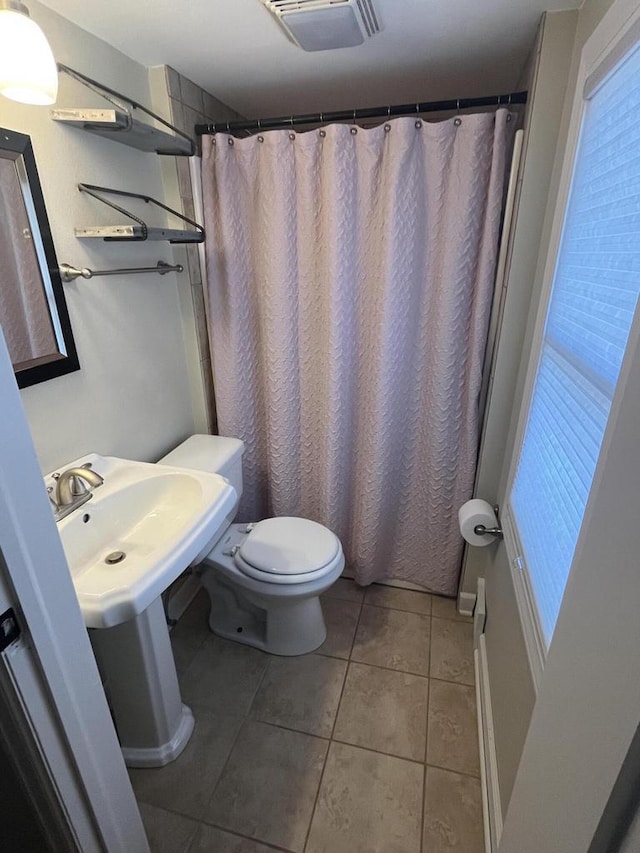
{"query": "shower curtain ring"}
(417, 109)
(389, 112)
(291, 120)
(457, 120)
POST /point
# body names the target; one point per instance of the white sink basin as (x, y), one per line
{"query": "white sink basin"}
(162, 518)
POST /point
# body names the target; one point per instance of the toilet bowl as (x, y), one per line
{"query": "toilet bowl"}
(264, 579)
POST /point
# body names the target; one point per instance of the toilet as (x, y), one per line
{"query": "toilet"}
(264, 579)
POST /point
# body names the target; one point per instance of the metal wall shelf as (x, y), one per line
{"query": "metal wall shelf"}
(140, 230)
(122, 127)
(112, 233)
(119, 123)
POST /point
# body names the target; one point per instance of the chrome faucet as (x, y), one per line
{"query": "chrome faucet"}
(72, 489)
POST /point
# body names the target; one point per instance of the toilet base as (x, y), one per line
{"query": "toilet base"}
(280, 626)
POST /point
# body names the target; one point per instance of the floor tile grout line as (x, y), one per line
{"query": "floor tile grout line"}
(389, 668)
(246, 719)
(398, 609)
(351, 600)
(237, 834)
(452, 770)
(173, 811)
(458, 620)
(355, 633)
(191, 841)
(402, 671)
(284, 728)
(258, 686)
(464, 620)
(426, 752)
(426, 735)
(378, 751)
(328, 739)
(333, 728)
(223, 768)
(428, 616)
(448, 681)
(332, 739)
(315, 799)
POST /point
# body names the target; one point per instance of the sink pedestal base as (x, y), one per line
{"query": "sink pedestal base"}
(140, 680)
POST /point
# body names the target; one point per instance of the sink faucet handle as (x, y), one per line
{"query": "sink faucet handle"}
(77, 486)
(52, 500)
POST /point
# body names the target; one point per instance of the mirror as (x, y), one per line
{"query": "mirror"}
(33, 310)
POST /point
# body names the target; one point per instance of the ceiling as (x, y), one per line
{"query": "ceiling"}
(235, 49)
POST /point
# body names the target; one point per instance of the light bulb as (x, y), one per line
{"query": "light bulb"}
(28, 70)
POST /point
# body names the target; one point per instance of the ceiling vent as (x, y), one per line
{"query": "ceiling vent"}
(326, 24)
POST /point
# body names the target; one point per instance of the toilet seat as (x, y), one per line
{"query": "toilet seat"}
(288, 550)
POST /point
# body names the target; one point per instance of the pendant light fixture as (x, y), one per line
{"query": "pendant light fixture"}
(28, 70)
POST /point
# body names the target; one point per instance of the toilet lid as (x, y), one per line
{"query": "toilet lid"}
(289, 546)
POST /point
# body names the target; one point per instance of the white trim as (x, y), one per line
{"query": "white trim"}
(43, 592)
(35, 720)
(468, 599)
(183, 595)
(501, 281)
(479, 612)
(491, 803)
(466, 603)
(531, 629)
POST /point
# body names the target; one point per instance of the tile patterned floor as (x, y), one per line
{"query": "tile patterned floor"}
(367, 746)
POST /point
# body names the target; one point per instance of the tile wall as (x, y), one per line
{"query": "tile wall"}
(185, 104)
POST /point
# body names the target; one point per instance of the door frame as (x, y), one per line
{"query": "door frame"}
(587, 709)
(609, 39)
(50, 667)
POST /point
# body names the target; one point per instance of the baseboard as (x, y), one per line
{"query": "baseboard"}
(183, 595)
(466, 601)
(491, 805)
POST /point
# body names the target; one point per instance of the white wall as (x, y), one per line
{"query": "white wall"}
(548, 76)
(512, 690)
(131, 396)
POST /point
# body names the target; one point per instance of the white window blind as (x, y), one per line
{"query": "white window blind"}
(593, 299)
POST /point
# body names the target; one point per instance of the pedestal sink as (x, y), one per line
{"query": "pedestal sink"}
(139, 531)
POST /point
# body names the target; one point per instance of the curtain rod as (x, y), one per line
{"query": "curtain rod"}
(453, 104)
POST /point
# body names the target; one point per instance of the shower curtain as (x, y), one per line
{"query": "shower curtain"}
(350, 278)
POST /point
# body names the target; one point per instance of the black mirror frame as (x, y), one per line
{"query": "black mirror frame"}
(20, 143)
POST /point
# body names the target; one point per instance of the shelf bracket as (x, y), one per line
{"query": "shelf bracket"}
(126, 105)
(144, 232)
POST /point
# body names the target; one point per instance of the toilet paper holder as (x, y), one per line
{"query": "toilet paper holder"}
(481, 530)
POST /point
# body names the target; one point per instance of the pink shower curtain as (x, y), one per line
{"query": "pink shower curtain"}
(25, 317)
(350, 277)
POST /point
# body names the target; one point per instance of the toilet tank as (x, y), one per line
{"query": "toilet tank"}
(215, 454)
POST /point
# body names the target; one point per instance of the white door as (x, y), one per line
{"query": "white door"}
(571, 514)
(51, 696)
